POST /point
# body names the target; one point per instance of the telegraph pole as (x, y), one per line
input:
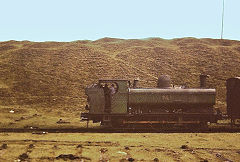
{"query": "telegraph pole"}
(222, 20)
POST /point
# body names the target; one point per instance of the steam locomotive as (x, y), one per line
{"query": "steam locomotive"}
(117, 103)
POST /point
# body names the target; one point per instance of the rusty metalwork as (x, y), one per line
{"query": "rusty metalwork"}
(233, 98)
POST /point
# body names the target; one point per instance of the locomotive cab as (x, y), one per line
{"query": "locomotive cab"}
(105, 98)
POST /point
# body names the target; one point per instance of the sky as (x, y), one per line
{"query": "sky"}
(70, 20)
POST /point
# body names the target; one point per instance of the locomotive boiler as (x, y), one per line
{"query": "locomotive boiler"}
(118, 103)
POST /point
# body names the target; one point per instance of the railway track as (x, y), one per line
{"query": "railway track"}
(227, 129)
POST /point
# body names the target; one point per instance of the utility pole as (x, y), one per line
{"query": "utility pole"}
(222, 20)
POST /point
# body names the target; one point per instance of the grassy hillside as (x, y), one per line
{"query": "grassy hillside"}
(54, 74)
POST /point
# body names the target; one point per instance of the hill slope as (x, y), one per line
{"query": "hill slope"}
(55, 73)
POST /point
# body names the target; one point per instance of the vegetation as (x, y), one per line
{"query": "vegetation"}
(45, 81)
(123, 146)
(42, 83)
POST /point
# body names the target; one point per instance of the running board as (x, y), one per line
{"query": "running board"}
(161, 122)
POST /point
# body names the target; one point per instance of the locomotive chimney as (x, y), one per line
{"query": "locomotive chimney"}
(203, 80)
(135, 82)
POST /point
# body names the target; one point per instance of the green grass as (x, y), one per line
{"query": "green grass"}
(141, 147)
(45, 118)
